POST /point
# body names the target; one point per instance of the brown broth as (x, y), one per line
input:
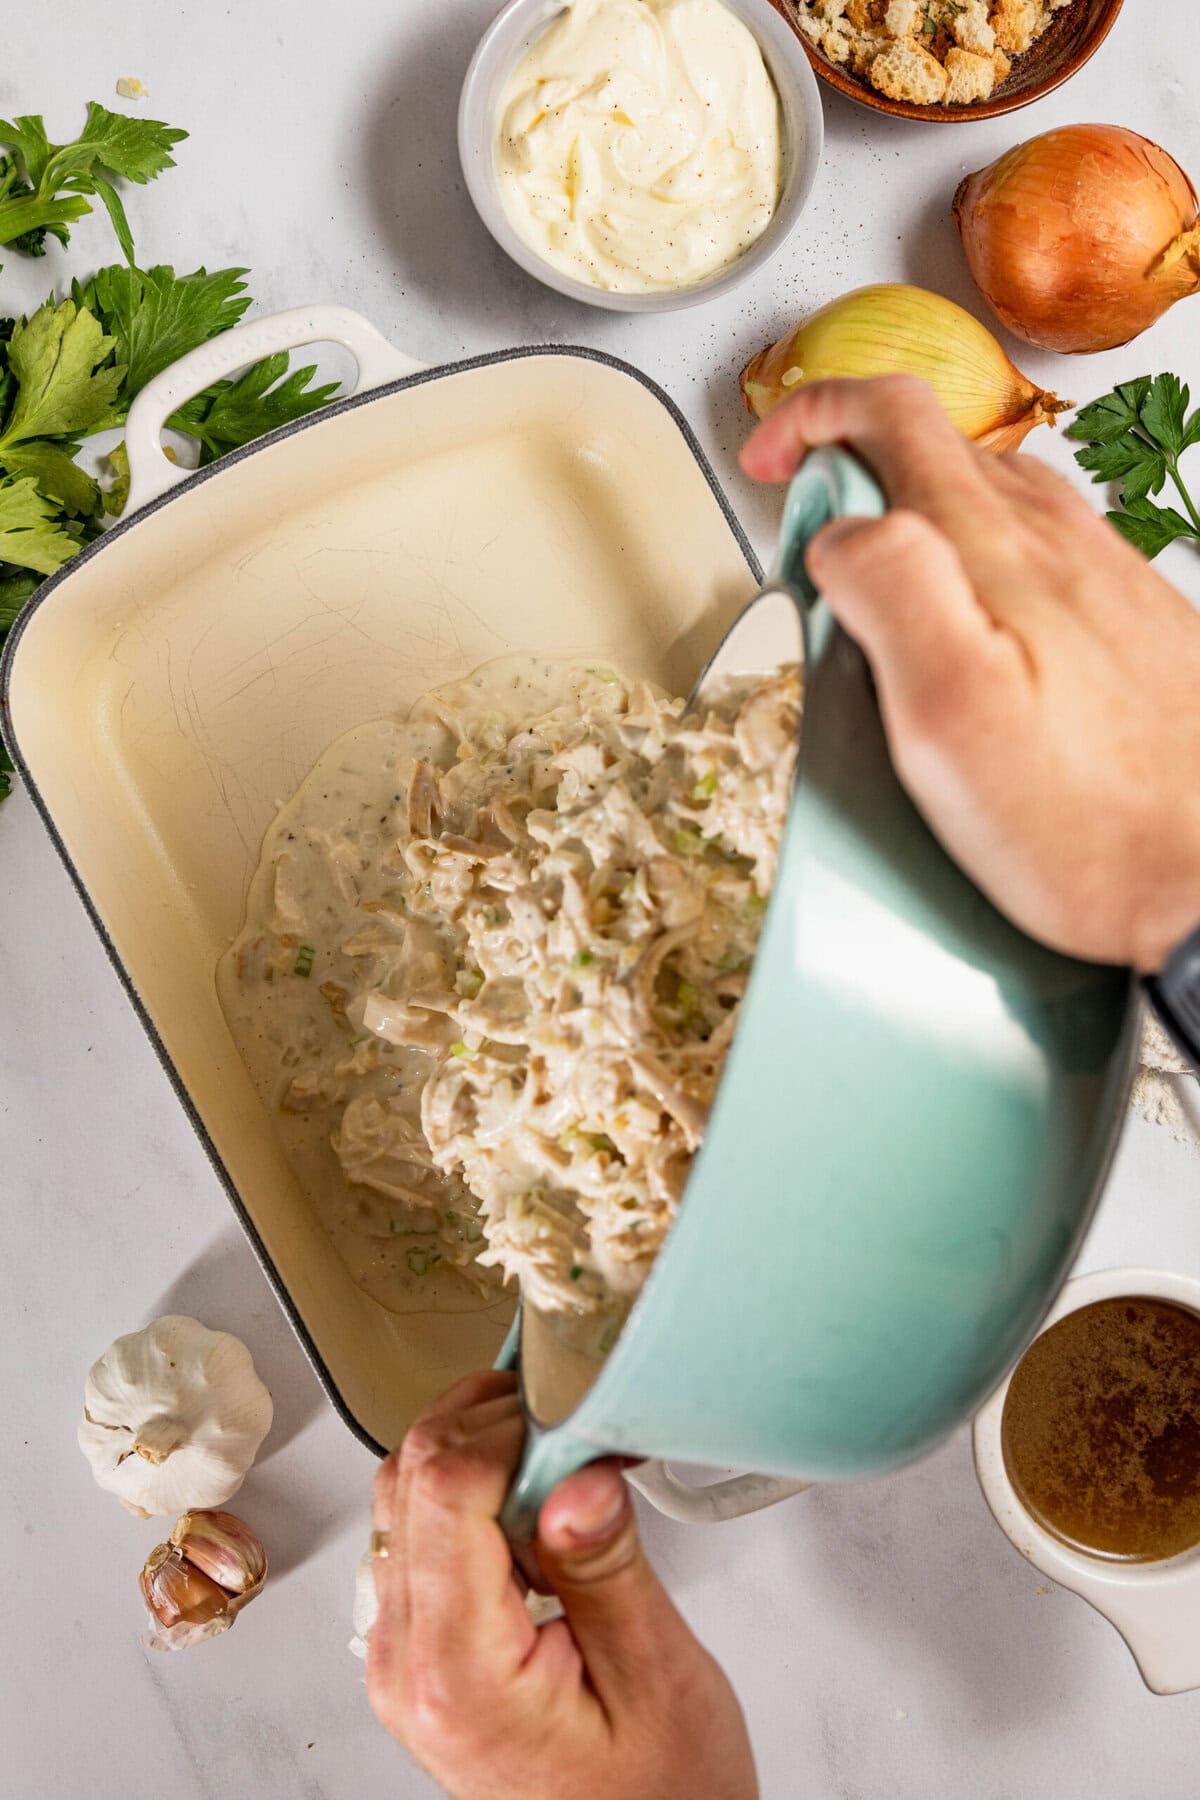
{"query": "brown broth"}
(1101, 1429)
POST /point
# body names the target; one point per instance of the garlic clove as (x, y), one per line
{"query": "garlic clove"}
(179, 1593)
(197, 1583)
(366, 1605)
(222, 1547)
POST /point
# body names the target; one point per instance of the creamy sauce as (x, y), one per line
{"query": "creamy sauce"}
(492, 965)
(640, 143)
(307, 1061)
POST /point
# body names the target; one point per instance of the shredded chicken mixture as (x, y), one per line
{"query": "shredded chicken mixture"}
(529, 962)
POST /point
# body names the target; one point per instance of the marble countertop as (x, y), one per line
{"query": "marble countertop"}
(884, 1638)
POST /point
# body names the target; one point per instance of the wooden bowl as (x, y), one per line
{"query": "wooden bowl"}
(1073, 35)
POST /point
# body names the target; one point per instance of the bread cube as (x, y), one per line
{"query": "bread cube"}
(900, 18)
(1016, 23)
(903, 71)
(972, 31)
(969, 77)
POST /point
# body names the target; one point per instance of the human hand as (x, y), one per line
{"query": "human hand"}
(616, 1700)
(1037, 679)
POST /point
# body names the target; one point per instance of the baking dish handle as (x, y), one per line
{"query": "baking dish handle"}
(714, 1501)
(151, 473)
(550, 1456)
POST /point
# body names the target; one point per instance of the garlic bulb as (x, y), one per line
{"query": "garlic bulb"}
(173, 1416)
(196, 1584)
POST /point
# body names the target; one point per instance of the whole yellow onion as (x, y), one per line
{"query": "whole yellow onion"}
(1081, 238)
(892, 328)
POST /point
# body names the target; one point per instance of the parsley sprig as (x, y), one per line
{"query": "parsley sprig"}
(73, 367)
(1136, 436)
(45, 187)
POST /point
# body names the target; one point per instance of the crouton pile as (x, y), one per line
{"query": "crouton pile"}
(929, 52)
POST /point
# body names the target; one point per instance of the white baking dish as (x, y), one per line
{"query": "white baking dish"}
(176, 681)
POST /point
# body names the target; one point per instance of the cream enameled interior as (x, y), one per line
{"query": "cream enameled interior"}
(174, 689)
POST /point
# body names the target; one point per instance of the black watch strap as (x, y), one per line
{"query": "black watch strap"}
(1175, 994)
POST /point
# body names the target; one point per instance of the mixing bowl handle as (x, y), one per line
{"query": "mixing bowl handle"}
(151, 473)
(830, 484)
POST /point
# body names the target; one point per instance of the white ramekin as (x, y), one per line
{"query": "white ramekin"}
(506, 41)
(1156, 1605)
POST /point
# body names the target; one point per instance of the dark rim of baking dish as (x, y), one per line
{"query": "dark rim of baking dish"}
(97, 547)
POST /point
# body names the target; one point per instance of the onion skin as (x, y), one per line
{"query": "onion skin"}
(1081, 238)
(893, 328)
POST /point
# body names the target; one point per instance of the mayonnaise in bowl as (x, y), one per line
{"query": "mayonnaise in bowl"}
(639, 145)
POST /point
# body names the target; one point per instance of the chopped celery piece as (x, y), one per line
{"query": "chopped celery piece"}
(421, 1261)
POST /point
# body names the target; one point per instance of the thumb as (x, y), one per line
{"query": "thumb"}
(618, 1610)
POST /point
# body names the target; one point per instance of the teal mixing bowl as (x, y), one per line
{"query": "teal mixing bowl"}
(907, 1145)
